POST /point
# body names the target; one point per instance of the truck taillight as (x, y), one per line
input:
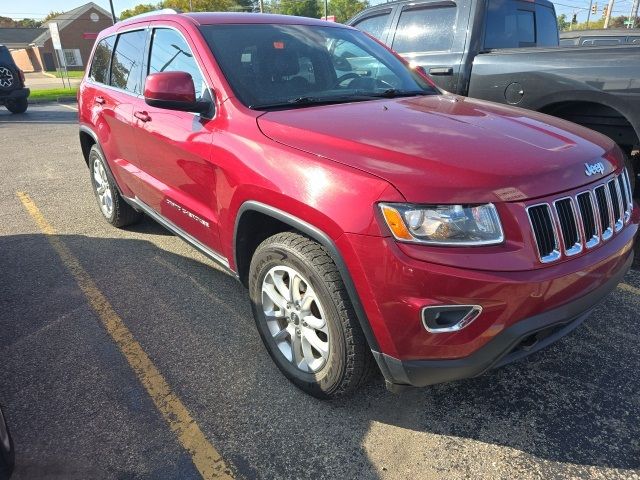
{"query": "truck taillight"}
(21, 75)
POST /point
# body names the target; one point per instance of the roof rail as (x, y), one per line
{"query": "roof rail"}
(163, 11)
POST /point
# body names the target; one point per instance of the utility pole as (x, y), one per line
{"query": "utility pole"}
(261, 6)
(607, 18)
(326, 9)
(589, 12)
(113, 12)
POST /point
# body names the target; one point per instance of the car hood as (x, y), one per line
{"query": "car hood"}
(448, 149)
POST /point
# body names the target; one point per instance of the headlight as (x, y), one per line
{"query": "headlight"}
(456, 225)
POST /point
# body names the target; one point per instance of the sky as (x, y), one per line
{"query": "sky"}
(40, 8)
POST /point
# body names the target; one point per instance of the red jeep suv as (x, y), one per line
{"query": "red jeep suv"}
(375, 219)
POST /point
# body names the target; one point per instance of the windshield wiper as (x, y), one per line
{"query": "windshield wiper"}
(394, 92)
(306, 101)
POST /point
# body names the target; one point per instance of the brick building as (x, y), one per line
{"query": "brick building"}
(32, 49)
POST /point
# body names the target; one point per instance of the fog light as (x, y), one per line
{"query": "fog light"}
(449, 318)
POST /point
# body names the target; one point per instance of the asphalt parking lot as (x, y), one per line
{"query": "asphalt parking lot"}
(79, 408)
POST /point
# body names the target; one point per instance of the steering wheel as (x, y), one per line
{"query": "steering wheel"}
(343, 78)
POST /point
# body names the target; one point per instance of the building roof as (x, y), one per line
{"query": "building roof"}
(67, 18)
(19, 37)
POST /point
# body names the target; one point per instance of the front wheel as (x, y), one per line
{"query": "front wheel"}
(305, 318)
(18, 105)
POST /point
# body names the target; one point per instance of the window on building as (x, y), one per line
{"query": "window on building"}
(72, 57)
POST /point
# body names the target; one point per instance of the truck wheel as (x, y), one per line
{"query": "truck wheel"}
(113, 207)
(305, 318)
(7, 451)
(18, 105)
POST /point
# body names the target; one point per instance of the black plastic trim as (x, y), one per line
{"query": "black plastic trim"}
(325, 241)
(500, 351)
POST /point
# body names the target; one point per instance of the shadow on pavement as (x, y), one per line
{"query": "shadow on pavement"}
(575, 403)
(40, 114)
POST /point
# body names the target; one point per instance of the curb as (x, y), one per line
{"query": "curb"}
(65, 99)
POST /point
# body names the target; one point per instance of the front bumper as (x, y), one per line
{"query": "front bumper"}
(518, 341)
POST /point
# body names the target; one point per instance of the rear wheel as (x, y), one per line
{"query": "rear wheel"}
(113, 207)
(18, 105)
(305, 317)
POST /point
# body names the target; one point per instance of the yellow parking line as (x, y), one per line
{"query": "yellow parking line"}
(628, 288)
(205, 457)
(68, 106)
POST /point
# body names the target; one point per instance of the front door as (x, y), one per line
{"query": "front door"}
(175, 147)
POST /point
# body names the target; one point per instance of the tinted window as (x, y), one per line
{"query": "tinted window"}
(295, 66)
(171, 53)
(425, 29)
(101, 58)
(374, 25)
(126, 66)
(512, 24)
(546, 27)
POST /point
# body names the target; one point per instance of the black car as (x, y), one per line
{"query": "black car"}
(13, 93)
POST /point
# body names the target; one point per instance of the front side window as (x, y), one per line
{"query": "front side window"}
(101, 59)
(425, 29)
(126, 66)
(271, 66)
(374, 26)
(171, 53)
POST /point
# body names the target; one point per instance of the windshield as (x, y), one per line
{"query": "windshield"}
(275, 66)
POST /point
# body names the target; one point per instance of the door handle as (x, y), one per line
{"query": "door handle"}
(99, 100)
(142, 116)
(441, 71)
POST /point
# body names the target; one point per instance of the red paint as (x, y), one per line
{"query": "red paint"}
(330, 166)
(170, 87)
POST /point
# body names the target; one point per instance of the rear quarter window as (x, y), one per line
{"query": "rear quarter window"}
(99, 71)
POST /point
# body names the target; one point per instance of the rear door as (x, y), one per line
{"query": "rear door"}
(426, 35)
(175, 147)
(113, 84)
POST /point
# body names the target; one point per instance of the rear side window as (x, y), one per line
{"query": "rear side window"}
(513, 24)
(375, 25)
(425, 29)
(126, 66)
(171, 53)
(101, 58)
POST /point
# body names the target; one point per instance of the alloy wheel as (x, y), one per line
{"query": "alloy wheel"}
(103, 189)
(295, 318)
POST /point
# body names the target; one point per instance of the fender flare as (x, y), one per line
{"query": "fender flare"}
(324, 240)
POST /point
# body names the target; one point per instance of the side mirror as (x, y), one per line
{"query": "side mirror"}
(173, 91)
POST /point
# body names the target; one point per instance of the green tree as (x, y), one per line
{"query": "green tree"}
(563, 23)
(201, 5)
(346, 9)
(301, 8)
(51, 15)
(138, 9)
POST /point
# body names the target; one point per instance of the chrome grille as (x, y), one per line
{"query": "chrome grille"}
(571, 224)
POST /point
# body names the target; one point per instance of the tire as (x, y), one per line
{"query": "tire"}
(302, 265)
(112, 206)
(18, 105)
(7, 450)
